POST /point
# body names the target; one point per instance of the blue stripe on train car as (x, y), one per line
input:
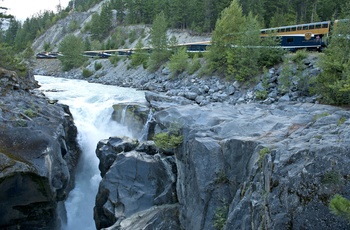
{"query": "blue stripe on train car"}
(294, 42)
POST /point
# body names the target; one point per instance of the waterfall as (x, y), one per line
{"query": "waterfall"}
(91, 107)
(144, 132)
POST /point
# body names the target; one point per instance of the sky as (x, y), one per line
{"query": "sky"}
(23, 9)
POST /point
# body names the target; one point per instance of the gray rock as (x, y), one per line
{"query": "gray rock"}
(38, 155)
(134, 182)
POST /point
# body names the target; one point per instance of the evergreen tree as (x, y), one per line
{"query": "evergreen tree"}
(333, 84)
(243, 54)
(225, 36)
(178, 62)
(71, 47)
(139, 56)
(159, 42)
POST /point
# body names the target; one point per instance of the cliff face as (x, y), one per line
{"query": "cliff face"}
(38, 153)
(248, 166)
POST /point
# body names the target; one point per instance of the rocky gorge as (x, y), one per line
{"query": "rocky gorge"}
(246, 162)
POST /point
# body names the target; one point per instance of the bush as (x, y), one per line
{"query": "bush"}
(340, 206)
(194, 65)
(178, 61)
(30, 113)
(299, 56)
(71, 47)
(87, 73)
(333, 84)
(167, 141)
(114, 59)
(139, 57)
(97, 66)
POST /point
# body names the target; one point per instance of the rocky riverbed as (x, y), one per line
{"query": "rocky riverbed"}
(246, 161)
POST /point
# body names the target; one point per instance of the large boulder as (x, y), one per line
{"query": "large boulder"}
(255, 166)
(135, 182)
(38, 154)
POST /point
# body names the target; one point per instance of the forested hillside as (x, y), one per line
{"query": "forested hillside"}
(197, 15)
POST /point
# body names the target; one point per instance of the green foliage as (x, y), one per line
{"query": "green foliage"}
(270, 51)
(221, 214)
(71, 47)
(73, 25)
(114, 59)
(10, 62)
(139, 56)
(170, 139)
(87, 73)
(30, 113)
(263, 152)
(159, 43)
(194, 65)
(341, 121)
(333, 84)
(237, 50)
(340, 206)
(178, 62)
(167, 141)
(47, 46)
(101, 23)
(97, 66)
(331, 177)
(299, 56)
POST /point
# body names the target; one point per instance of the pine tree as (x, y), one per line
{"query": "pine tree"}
(225, 36)
(333, 84)
(159, 42)
(71, 47)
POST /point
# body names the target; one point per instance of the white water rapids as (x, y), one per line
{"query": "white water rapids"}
(91, 107)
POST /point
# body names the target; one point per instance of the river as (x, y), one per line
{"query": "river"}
(91, 107)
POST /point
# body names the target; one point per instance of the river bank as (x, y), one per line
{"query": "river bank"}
(270, 87)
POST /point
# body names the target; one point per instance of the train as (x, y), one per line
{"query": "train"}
(310, 36)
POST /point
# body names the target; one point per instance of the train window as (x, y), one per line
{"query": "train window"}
(263, 31)
(283, 30)
(305, 27)
(299, 27)
(311, 27)
(293, 29)
(287, 29)
(325, 25)
(318, 26)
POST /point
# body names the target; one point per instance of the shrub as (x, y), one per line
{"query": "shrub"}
(167, 140)
(262, 153)
(299, 56)
(178, 62)
(194, 65)
(221, 214)
(114, 59)
(30, 113)
(86, 73)
(340, 206)
(139, 57)
(97, 66)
